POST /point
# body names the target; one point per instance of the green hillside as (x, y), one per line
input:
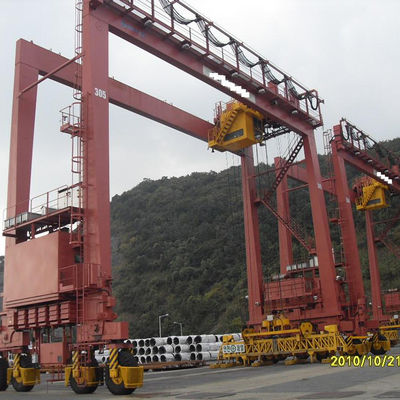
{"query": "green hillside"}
(178, 248)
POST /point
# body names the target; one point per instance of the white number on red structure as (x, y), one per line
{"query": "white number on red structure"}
(100, 93)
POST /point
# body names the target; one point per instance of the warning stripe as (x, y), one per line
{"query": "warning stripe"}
(113, 358)
(17, 361)
(75, 360)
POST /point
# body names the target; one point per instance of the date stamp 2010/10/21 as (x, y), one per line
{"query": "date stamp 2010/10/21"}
(365, 361)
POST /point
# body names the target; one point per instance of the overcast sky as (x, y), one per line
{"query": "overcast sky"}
(348, 50)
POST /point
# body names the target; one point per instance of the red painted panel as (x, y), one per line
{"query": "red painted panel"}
(54, 314)
(392, 302)
(292, 293)
(67, 312)
(53, 353)
(31, 273)
(32, 317)
(43, 316)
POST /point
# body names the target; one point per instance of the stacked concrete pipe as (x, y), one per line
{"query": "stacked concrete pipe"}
(176, 348)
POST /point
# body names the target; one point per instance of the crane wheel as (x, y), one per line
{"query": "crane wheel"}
(125, 359)
(83, 389)
(377, 347)
(3, 374)
(302, 356)
(25, 362)
(321, 355)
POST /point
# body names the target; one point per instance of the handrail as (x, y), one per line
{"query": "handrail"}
(230, 53)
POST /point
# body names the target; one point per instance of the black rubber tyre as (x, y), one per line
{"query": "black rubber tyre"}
(79, 389)
(125, 359)
(3, 374)
(321, 355)
(25, 362)
(380, 351)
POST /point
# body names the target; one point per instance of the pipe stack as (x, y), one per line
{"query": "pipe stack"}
(174, 348)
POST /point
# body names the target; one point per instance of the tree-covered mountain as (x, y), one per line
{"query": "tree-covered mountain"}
(178, 248)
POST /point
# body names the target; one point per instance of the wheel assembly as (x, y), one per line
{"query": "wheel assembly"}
(21, 362)
(3, 374)
(113, 375)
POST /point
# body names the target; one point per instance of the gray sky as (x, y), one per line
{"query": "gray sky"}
(346, 49)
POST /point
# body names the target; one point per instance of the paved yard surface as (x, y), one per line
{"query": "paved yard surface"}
(308, 381)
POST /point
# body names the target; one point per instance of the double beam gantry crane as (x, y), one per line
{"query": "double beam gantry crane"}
(58, 306)
(58, 257)
(294, 321)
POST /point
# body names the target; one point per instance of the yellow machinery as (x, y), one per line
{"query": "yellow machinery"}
(278, 340)
(370, 194)
(23, 375)
(236, 127)
(120, 379)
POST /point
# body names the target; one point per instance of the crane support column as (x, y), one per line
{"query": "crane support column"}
(96, 125)
(373, 268)
(22, 128)
(252, 237)
(349, 234)
(321, 228)
(285, 237)
(19, 177)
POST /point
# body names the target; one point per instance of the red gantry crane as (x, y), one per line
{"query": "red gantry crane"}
(58, 305)
(361, 151)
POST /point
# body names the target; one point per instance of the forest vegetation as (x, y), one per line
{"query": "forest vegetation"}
(178, 248)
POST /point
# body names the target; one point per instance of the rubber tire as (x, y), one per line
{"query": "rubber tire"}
(3, 374)
(78, 389)
(25, 362)
(321, 356)
(125, 359)
(381, 351)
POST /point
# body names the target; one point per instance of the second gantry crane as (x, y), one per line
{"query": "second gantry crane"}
(294, 303)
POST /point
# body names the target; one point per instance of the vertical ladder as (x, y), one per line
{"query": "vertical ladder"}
(78, 166)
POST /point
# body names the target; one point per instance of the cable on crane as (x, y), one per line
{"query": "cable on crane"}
(307, 95)
(169, 9)
(242, 57)
(269, 75)
(292, 89)
(310, 99)
(205, 29)
(206, 32)
(349, 132)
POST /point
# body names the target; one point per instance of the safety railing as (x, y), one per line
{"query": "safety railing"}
(290, 288)
(41, 205)
(222, 48)
(80, 276)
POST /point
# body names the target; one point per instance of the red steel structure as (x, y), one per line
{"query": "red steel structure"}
(347, 144)
(58, 260)
(62, 253)
(352, 145)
